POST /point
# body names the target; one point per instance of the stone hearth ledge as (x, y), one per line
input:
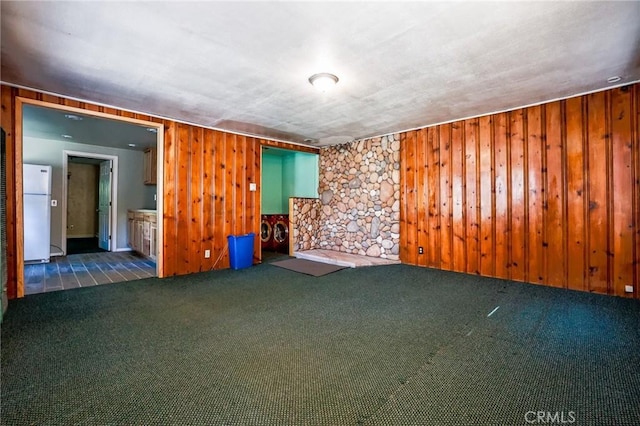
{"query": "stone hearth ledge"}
(343, 259)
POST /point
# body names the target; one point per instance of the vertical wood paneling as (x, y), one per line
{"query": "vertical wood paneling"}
(518, 182)
(597, 184)
(576, 207)
(487, 195)
(219, 196)
(636, 199)
(405, 146)
(458, 194)
(410, 214)
(622, 177)
(412, 219)
(8, 124)
(471, 197)
(169, 219)
(229, 224)
(446, 199)
(254, 155)
(536, 268)
(196, 236)
(546, 194)
(238, 183)
(52, 99)
(555, 221)
(501, 196)
(96, 108)
(433, 150)
(183, 194)
(212, 198)
(635, 145)
(208, 202)
(421, 167)
(249, 170)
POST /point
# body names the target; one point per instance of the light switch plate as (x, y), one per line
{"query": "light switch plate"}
(207, 254)
(628, 288)
(252, 187)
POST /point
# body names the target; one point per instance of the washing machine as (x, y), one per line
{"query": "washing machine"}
(281, 233)
(266, 232)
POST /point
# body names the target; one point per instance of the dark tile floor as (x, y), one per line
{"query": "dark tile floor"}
(82, 270)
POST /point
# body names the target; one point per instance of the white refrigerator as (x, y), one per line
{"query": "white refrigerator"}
(37, 212)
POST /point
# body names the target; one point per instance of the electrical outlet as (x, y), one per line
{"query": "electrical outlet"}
(252, 187)
(207, 254)
(420, 250)
(628, 289)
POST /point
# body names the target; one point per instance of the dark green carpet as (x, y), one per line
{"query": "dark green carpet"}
(393, 345)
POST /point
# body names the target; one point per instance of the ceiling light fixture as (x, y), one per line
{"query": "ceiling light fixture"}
(73, 117)
(614, 79)
(323, 81)
(67, 136)
(132, 145)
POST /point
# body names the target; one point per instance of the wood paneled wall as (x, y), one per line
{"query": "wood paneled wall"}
(206, 195)
(548, 194)
(206, 192)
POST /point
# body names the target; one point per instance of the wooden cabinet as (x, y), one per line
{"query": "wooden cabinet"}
(143, 232)
(139, 233)
(153, 237)
(131, 228)
(150, 166)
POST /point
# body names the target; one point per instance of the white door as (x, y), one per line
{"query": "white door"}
(104, 206)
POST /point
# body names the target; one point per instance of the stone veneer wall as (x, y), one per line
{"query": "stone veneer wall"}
(304, 223)
(360, 195)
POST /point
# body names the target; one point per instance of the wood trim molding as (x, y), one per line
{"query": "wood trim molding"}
(18, 103)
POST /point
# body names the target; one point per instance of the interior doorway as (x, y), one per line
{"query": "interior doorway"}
(89, 203)
(44, 129)
(89, 200)
(284, 174)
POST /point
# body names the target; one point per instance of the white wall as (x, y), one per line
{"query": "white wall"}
(132, 193)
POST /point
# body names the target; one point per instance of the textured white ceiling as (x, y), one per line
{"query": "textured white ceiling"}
(244, 67)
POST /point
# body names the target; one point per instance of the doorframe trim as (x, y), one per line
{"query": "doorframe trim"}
(114, 193)
(18, 103)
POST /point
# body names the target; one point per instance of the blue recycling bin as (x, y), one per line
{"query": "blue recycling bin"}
(241, 250)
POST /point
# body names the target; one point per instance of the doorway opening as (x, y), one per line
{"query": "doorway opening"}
(61, 136)
(285, 174)
(89, 203)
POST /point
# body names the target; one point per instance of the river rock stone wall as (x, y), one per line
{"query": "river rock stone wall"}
(304, 225)
(360, 197)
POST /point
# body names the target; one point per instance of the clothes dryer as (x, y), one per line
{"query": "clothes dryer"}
(281, 233)
(266, 232)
